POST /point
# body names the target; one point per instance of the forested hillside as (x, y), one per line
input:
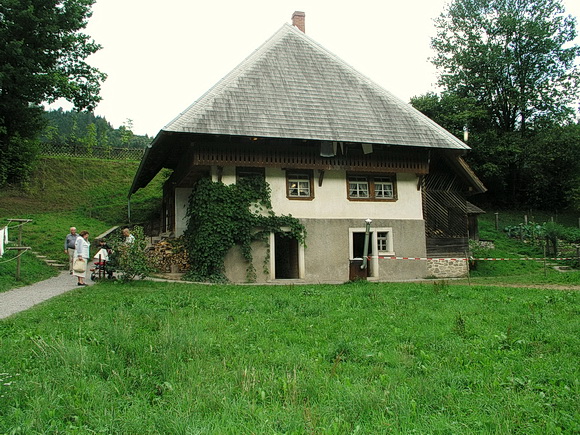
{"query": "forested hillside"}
(84, 128)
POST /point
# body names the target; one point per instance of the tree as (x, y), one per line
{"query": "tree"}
(90, 139)
(512, 56)
(43, 56)
(515, 61)
(126, 132)
(454, 113)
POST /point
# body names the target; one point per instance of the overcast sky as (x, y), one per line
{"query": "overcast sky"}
(161, 56)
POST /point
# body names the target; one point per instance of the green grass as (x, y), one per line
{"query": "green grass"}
(354, 358)
(31, 270)
(515, 217)
(92, 187)
(89, 194)
(515, 272)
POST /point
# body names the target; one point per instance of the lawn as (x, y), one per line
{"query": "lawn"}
(45, 234)
(354, 358)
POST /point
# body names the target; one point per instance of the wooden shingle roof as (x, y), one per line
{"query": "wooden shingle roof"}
(292, 87)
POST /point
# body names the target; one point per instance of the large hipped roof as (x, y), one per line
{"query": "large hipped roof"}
(292, 87)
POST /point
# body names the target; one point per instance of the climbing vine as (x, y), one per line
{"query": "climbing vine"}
(222, 216)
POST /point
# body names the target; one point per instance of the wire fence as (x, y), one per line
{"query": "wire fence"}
(107, 153)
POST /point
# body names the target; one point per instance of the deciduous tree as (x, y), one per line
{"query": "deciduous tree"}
(512, 56)
(43, 58)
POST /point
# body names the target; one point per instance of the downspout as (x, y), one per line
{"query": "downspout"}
(366, 247)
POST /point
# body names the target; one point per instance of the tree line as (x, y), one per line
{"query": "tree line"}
(509, 81)
(70, 128)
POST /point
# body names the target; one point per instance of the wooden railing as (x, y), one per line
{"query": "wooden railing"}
(382, 160)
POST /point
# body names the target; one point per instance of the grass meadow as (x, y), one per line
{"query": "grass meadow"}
(370, 358)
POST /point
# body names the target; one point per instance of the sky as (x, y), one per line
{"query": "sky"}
(161, 56)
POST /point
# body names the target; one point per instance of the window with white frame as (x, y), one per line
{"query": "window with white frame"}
(299, 185)
(384, 242)
(380, 243)
(371, 187)
(384, 188)
(358, 187)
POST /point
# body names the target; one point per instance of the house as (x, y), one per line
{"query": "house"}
(336, 150)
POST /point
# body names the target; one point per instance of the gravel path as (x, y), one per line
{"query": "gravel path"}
(22, 298)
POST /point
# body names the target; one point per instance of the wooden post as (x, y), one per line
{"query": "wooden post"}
(19, 247)
(545, 271)
(497, 221)
(467, 263)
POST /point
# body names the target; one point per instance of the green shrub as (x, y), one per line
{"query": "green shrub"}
(129, 259)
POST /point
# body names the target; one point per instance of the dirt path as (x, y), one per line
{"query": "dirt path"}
(564, 287)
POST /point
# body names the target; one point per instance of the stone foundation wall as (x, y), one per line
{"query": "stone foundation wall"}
(447, 268)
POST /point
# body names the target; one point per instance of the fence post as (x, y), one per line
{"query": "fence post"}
(19, 248)
(468, 273)
(545, 271)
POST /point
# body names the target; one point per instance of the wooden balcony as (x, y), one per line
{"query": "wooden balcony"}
(382, 159)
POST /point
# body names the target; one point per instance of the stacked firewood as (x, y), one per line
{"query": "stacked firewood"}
(168, 256)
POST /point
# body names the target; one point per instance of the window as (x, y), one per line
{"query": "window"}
(383, 242)
(371, 187)
(380, 243)
(299, 185)
(383, 188)
(358, 187)
(242, 173)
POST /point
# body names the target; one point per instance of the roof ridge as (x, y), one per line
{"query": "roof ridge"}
(307, 94)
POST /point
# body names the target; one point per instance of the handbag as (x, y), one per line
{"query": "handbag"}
(79, 265)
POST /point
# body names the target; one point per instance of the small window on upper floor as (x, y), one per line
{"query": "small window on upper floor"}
(299, 185)
(243, 172)
(367, 187)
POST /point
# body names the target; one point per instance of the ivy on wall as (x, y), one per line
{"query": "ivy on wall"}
(222, 216)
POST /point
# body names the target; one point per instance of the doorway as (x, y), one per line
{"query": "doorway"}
(286, 261)
(358, 254)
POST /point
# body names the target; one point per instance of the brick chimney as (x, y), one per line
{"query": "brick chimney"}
(298, 19)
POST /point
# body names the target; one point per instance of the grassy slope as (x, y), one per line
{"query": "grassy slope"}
(90, 194)
(354, 358)
(517, 272)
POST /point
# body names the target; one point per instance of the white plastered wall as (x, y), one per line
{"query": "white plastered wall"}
(331, 202)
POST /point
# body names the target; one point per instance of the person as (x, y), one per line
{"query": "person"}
(103, 260)
(129, 238)
(104, 245)
(69, 247)
(82, 247)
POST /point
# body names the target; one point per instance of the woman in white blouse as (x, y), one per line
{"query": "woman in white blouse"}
(82, 246)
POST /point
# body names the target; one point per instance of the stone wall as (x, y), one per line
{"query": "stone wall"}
(447, 268)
